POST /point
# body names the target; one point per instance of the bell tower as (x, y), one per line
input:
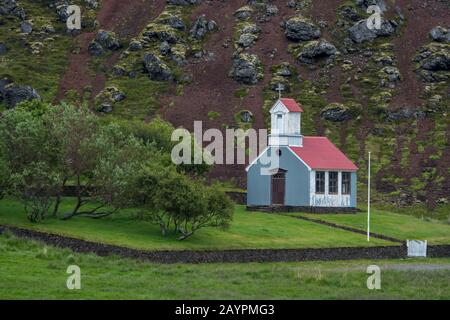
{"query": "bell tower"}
(286, 124)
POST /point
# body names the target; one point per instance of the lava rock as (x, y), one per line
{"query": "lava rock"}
(175, 22)
(350, 13)
(106, 107)
(26, 27)
(367, 3)
(360, 32)
(200, 27)
(315, 50)
(336, 112)
(247, 69)
(300, 29)
(440, 34)
(272, 10)
(108, 40)
(246, 39)
(164, 48)
(156, 69)
(437, 62)
(243, 13)
(184, 2)
(96, 49)
(13, 94)
(135, 45)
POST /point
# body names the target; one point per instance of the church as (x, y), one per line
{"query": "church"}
(296, 172)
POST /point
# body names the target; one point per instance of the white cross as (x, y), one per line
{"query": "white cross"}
(279, 89)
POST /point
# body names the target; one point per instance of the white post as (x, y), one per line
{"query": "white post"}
(368, 202)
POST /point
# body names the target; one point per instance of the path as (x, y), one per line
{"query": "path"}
(224, 256)
(127, 18)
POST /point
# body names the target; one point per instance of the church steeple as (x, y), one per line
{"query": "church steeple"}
(286, 124)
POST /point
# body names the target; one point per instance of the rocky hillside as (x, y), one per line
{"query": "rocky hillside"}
(384, 90)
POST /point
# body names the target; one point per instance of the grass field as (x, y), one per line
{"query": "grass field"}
(394, 225)
(248, 230)
(28, 270)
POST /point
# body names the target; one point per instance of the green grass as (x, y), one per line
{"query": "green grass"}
(30, 270)
(399, 226)
(248, 230)
(41, 71)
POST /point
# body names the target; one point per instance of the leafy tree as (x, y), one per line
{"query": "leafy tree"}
(159, 133)
(171, 199)
(27, 159)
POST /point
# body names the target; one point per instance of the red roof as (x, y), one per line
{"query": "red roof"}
(321, 153)
(292, 105)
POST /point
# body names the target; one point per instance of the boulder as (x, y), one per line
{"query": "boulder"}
(184, 2)
(156, 69)
(247, 69)
(389, 76)
(164, 48)
(175, 22)
(247, 39)
(200, 27)
(10, 7)
(61, 11)
(13, 94)
(434, 57)
(350, 13)
(315, 50)
(92, 4)
(135, 45)
(437, 62)
(271, 10)
(108, 40)
(300, 29)
(243, 13)
(336, 112)
(160, 33)
(440, 34)
(106, 107)
(212, 25)
(360, 32)
(26, 27)
(367, 3)
(95, 49)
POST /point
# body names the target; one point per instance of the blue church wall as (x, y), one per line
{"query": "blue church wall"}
(297, 181)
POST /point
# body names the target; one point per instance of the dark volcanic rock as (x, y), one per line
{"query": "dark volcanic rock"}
(440, 34)
(13, 94)
(300, 29)
(336, 112)
(108, 40)
(360, 33)
(247, 69)
(437, 62)
(200, 27)
(315, 50)
(95, 49)
(26, 27)
(184, 2)
(157, 70)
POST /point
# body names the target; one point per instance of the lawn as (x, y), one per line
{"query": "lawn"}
(394, 225)
(30, 270)
(248, 230)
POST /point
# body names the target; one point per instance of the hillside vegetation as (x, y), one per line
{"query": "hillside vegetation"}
(220, 62)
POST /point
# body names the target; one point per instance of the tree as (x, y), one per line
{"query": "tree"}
(27, 159)
(172, 199)
(119, 159)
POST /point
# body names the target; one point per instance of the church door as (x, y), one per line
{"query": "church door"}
(278, 188)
